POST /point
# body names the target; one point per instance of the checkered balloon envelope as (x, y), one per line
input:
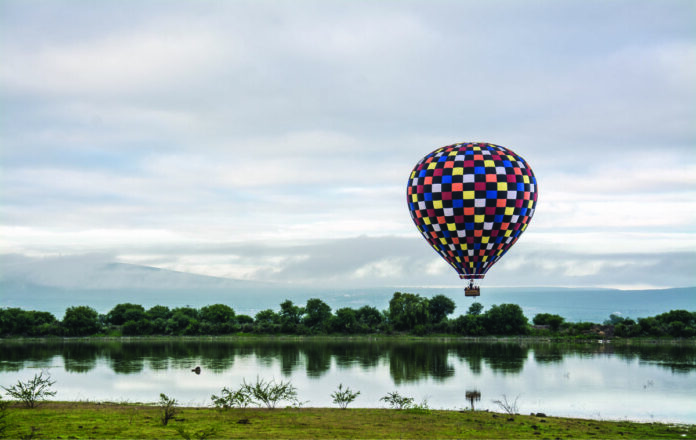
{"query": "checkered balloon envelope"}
(471, 202)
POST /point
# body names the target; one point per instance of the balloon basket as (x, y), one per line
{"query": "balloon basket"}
(472, 291)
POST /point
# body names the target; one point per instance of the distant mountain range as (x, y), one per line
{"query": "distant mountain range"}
(53, 284)
(101, 272)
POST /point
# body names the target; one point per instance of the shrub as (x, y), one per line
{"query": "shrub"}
(509, 406)
(231, 399)
(168, 407)
(343, 397)
(270, 393)
(397, 401)
(553, 321)
(33, 391)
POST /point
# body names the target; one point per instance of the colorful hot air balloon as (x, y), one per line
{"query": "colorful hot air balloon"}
(472, 201)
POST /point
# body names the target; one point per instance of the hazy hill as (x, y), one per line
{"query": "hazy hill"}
(53, 284)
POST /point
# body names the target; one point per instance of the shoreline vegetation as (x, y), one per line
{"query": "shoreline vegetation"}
(135, 420)
(408, 314)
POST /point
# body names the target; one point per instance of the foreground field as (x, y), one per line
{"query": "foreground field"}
(104, 420)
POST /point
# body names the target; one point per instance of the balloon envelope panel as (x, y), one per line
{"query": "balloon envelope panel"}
(472, 201)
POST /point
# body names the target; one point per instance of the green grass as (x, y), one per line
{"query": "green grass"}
(108, 420)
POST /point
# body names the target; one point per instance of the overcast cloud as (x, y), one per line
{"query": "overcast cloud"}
(272, 140)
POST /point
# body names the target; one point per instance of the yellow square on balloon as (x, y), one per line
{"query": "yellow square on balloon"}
(502, 186)
(457, 171)
(437, 204)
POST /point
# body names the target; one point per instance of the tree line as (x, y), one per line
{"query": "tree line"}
(407, 313)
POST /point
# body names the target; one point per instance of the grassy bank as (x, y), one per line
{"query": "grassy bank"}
(104, 420)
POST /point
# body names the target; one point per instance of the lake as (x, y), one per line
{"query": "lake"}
(646, 382)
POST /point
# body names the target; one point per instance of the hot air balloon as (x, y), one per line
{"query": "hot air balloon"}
(471, 202)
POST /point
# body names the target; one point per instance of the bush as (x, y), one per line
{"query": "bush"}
(509, 406)
(168, 407)
(553, 321)
(397, 401)
(270, 393)
(342, 397)
(33, 391)
(231, 399)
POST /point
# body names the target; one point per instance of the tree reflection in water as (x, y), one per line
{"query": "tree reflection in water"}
(408, 361)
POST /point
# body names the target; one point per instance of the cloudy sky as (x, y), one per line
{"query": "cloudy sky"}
(272, 140)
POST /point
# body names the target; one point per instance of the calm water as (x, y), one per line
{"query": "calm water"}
(600, 381)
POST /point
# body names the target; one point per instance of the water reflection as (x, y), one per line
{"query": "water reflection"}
(408, 362)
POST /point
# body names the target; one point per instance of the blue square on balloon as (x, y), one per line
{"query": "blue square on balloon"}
(446, 179)
(491, 194)
(469, 152)
(468, 226)
(443, 159)
(428, 197)
(523, 211)
(477, 246)
(446, 234)
(422, 173)
(498, 219)
(479, 170)
(520, 187)
(506, 163)
(457, 203)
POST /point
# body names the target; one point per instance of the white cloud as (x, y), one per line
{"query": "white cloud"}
(125, 62)
(176, 135)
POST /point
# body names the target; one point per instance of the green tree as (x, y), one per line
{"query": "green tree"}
(187, 311)
(475, 309)
(80, 321)
(470, 325)
(159, 312)
(344, 321)
(439, 306)
(407, 310)
(369, 317)
(553, 321)
(217, 319)
(125, 312)
(15, 321)
(290, 316)
(267, 321)
(505, 319)
(316, 314)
